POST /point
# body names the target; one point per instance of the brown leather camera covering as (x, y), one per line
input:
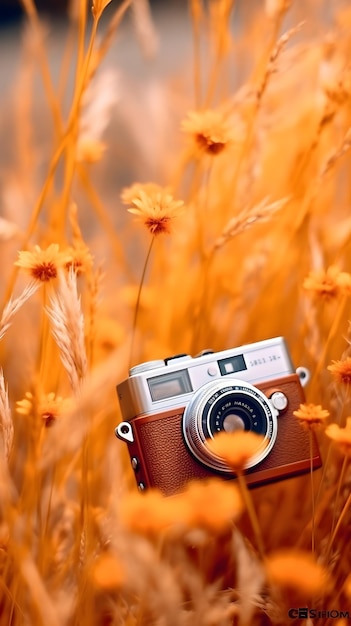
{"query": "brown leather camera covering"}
(165, 462)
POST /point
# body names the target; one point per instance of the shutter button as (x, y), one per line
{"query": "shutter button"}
(279, 400)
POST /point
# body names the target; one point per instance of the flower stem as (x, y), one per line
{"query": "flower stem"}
(341, 517)
(340, 481)
(331, 335)
(312, 493)
(137, 304)
(334, 528)
(104, 218)
(252, 513)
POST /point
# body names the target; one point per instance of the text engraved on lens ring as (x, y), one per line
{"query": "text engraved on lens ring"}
(213, 398)
(243, 405)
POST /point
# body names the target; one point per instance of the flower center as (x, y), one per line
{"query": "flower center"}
(44, 271)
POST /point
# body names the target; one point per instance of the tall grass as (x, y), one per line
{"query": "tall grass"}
(250, 239)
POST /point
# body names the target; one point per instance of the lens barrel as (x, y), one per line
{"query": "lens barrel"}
(228, 405)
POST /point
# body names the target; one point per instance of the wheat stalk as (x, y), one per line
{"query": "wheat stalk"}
(261, 212)
(271, 67)
(13, 306)
(6, 423)
(335, 156)
(67, 327)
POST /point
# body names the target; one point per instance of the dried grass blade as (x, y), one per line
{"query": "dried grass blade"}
(145, 28)
(250, 578)
(67, 327)
(272, 61)
(70, 431)
(14, 305)
(260, 213)
(110, 32)
(6, 423)
(344, 147)
(39, 594)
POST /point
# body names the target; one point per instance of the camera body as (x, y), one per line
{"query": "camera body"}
(172, 407)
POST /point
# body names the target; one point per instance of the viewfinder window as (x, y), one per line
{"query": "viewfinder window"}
(169, 385)
(232, 364)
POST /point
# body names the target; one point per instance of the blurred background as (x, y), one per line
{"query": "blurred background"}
(11, 10)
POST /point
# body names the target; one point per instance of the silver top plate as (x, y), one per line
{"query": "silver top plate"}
(159, 386)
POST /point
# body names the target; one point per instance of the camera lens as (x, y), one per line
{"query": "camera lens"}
(231, 407)
(233, 422)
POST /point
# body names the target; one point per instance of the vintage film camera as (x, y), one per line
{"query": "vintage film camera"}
(172, 407)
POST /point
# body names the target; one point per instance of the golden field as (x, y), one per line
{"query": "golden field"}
(202, 201)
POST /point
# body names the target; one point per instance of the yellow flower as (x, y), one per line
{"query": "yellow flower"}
(296, 571)
(154, 206)
(42, 265)
(341, 370)
(311, 415)
(211, 504)
(328, 283)
(48, 407)
(80, 259)
(341, 436)
(209, 130)
(237, 448)
(107, 573)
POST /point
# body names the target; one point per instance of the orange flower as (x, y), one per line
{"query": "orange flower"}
(149, 513)
(210, 131)
(296, 571)
(323, 283)
(328, 283)
(42, 265)
(341, 436)
(237, 448)
(107, 572)
(311, 415)
(48, 407)
(341, 370)
(211, 504)
(154, 206)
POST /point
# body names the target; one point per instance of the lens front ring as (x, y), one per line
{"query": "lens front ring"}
(232, 403)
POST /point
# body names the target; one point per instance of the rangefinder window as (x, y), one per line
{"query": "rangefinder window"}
(235, 363)
(169, 385)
